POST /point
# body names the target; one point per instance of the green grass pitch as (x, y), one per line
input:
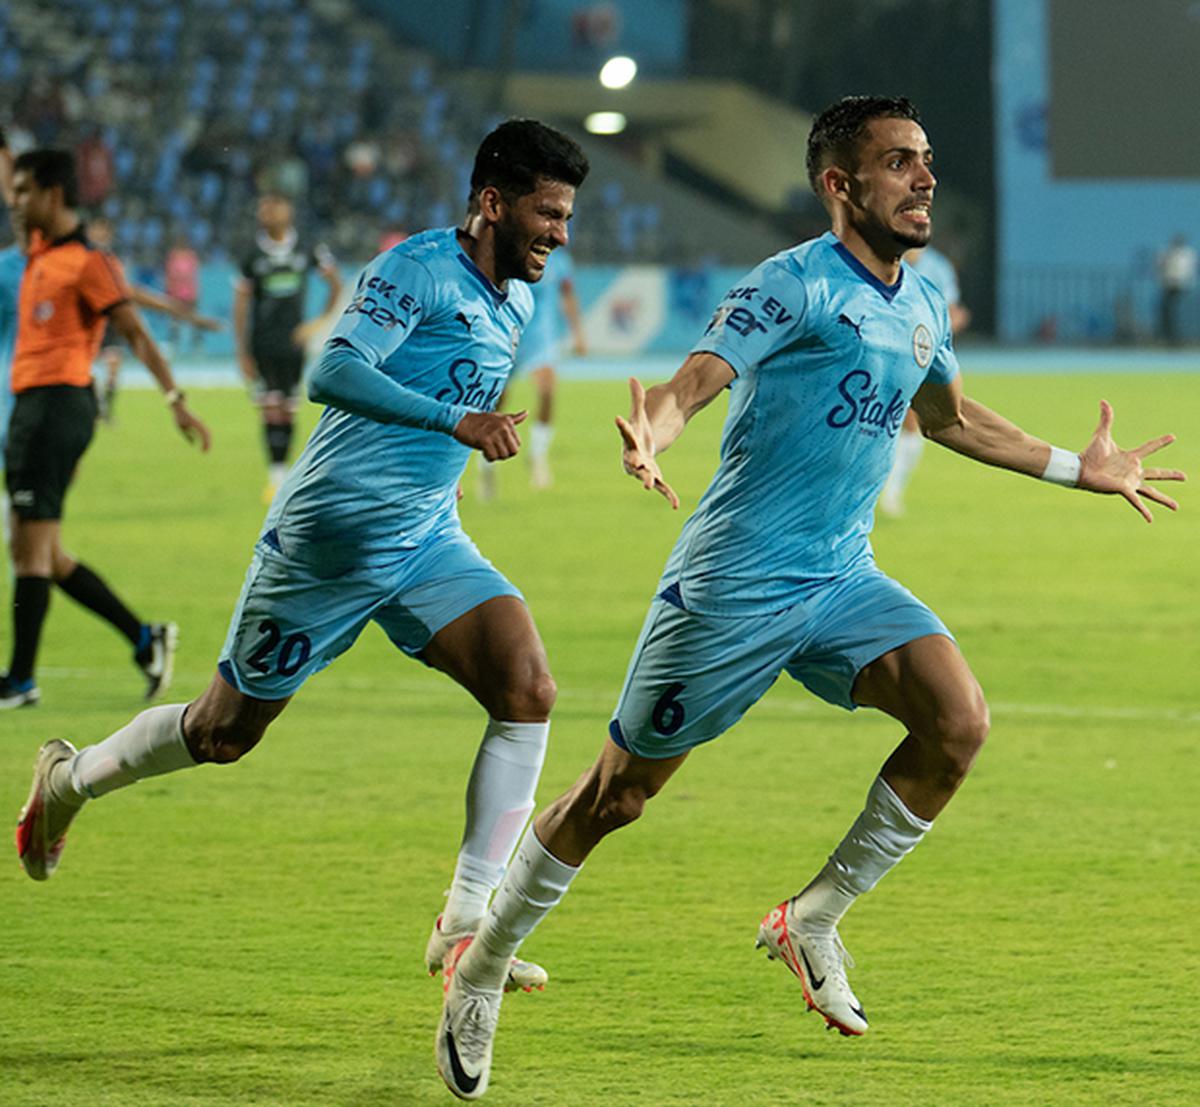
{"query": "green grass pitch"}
(253, 935)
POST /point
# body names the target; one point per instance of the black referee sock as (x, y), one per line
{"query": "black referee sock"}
(84, 587)
(279, 441)
(31, 600)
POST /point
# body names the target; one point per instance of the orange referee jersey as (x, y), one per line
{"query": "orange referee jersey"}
(68, 288)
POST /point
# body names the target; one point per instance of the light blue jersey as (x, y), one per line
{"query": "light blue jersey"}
(366, 491)
(12, 268)
(828, 359)
(543, 337)
(934, 266)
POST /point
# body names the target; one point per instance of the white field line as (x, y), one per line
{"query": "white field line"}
(604, 700)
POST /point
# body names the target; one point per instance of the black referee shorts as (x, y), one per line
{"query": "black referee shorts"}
(279, 371)
(49, 430)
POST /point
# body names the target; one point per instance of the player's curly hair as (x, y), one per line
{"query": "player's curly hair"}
(519, 151)
(50, 168)
(836, 131)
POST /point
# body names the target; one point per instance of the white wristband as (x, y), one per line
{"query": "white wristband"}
(1062, 468)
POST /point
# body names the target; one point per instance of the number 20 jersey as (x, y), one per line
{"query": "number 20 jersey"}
(365, 492)
(828, 359)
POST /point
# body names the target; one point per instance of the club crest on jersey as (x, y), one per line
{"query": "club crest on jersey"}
(922, 346)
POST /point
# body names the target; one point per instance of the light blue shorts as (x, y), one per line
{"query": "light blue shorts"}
(291, 622)
(693, 676)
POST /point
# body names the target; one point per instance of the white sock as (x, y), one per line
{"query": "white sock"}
(540, 437)
(149, 746)
(276, 472)
(909, 447)
(536, 882)
(499, 803)
(884, 832)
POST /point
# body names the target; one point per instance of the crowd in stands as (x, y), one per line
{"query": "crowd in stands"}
(179, 113)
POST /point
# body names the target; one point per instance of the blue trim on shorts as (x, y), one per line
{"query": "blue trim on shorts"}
(226, 671)
(614, 732)
(673, 594)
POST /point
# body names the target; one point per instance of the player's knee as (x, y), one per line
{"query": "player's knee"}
(961, 735)
(528, 698)
(220, 741)
(619, 807)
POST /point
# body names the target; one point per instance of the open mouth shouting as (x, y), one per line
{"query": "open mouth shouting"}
(916, 213)
(539, 253)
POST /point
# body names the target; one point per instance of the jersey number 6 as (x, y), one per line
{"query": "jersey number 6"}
(668, 713)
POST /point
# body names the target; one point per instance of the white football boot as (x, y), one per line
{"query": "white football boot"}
(816, 955)
(523, 976)
(157, 660)
(467, 1029)
(42, 824)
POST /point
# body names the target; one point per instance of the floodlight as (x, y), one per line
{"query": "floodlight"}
(618, 72)
(605, 123)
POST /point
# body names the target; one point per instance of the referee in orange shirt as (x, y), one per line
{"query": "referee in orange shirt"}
(69, 293)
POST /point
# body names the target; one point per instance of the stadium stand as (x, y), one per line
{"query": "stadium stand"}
(179, 113)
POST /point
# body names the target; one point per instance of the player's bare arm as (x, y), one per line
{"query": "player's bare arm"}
(968, 427)
(241, 324)
(310, 328)
(571, 309)
(128, 324)
(151, 300)
(657, 417)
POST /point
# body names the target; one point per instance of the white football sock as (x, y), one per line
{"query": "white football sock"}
(909, 447)
(149, 746)
(536, 882)
(499, 803)
(540, 437)
(884, 832)
(277, 472)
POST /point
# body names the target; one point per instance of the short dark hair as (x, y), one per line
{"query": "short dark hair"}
(836, 131)
(519, 151)
(49, 168)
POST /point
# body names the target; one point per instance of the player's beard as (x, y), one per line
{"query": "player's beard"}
(911, 239)
(512, 258)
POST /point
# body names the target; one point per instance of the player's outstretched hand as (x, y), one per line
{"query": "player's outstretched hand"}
(1105, 467)
(637, 437)
(191, 427)
(492, 434)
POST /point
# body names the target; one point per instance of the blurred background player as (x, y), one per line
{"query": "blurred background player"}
(269, 329)
(180, 311)
(934, 266)
(554, 300)
(69, 292)
(1177, 266)
(181, 280)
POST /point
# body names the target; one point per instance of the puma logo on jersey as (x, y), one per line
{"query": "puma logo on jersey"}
(465, 320)
(846, 321)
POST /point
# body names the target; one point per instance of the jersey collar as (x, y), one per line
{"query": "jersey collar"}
(888, 291)
(277, 248)
(499, 296)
